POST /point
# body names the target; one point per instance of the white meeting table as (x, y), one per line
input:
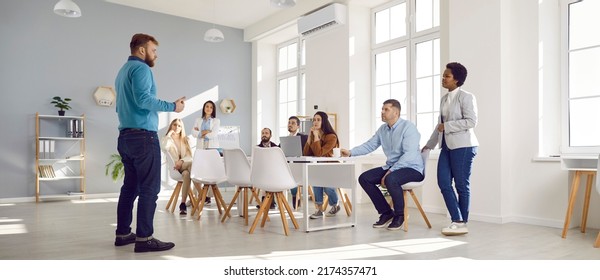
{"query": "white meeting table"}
(325, 172)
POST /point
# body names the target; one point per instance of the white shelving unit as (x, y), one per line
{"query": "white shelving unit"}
(59, 153)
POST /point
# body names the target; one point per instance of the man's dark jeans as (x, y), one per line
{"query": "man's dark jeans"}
(140, 154)
(394, 181)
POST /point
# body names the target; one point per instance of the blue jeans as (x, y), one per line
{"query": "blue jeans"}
(456, 164)
(318, 192)
(140, 154)
(394, 181)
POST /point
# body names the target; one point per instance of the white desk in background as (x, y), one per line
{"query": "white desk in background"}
(325, 172)
(581, 165)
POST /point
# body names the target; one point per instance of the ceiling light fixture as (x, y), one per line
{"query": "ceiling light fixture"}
(283, 3)
(214, 35)
(67, 8)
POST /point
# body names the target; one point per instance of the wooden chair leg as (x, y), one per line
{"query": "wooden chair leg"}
(266, 203)
(262, 211)
(198, 189)
(171, 199)
(345, 201)
(420, 208)
(255, 193)
(298, 197)
(279, 199)
(192, 197)
(200, 205)
(597, 243)
(223, 203)
(290, 212)
(235, 196)
(312, 195)
(325, 202)
(174, 197)
(219, 199)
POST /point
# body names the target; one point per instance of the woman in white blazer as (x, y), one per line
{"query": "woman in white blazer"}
(454, 134)
(206, 129)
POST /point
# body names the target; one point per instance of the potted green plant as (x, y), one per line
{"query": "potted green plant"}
(115, 167)
(62, 104)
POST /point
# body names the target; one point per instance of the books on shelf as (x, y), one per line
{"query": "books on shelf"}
(46, 149)
(75, 128)
(46, 171)
(41, 149)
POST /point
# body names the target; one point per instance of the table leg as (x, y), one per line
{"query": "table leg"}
(586, 200)
(572, 197)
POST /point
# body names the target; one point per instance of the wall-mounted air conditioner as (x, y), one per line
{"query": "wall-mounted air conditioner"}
(331, 15)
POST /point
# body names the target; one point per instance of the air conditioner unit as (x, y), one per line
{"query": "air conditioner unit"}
(331, 15)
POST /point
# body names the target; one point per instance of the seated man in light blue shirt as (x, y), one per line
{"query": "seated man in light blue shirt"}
(400, 142)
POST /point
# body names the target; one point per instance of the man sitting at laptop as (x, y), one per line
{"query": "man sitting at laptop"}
(293, 129)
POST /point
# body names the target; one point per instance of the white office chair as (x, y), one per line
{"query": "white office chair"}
(238, 170)
(597, 243)
(208, 170)
(270, 172)
(175, 175)
(409, 187)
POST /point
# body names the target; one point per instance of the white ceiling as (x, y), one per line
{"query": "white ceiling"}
(233, 13)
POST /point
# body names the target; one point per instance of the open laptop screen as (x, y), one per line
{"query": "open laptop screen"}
(291, 145)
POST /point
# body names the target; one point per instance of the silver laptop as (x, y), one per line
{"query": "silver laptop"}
(291, 145)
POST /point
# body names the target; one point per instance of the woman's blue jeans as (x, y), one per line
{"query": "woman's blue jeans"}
(456, 165)
(140, 154)
(331, 194)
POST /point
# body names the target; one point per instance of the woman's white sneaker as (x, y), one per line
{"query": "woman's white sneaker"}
(455, 228)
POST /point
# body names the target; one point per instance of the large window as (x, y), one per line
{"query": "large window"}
(581, 55)
(406, 57)
(290, 82)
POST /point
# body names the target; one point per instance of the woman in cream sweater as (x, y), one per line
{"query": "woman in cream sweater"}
(177, 146)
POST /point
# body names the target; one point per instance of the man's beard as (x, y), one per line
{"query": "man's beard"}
(265, 140)
(148, 61)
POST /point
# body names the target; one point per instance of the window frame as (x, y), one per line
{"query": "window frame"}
(409, 41)
(299, 72)
(566, 147)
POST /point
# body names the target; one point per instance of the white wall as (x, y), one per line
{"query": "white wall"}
(327, 75)
(264, 107)
(359, 95)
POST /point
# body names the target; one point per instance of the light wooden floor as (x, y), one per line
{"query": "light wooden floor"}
(84, 230)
